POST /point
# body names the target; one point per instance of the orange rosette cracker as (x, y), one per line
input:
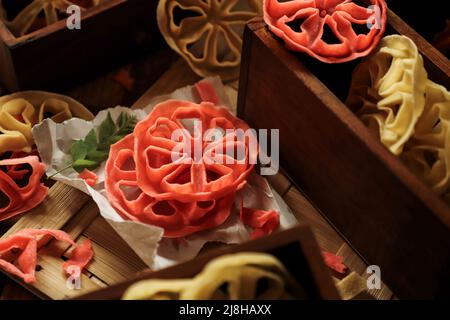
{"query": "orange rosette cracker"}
(177, 218)
(169, 169)
(184, 194)
(332, 31)
(20, 185)
(18, 252)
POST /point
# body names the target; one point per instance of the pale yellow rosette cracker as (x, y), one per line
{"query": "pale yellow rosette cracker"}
(207, 33)
(248, 276)
(19, 112)
(410, 113)
(387, 91)
(428, 152)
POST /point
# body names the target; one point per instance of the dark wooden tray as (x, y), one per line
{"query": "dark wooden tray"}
(54, 56)
(296, 249)
(391, 218)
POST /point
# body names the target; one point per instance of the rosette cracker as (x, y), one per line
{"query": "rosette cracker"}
(52, 9)
(20, 186)
(207, 34)
(241, 276)
(154, 179)
(19, 112)
(19, 252)
(332, 31)
(410, 113)
(387, 91)
(428, 152)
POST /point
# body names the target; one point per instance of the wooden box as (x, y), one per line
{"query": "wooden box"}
(295, 248)
(391, 218)
(54, 56)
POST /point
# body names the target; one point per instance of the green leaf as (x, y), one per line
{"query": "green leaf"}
(78, 150)
(96, 155)
(122, 119)
(91, 140)
(80, 165)
(107, 129)
(92, 151)
(127, 125)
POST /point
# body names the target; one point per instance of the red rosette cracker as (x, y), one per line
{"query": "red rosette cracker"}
(168, 169)
(20, 185)
(332, 31)
(178, 219)
(179, 175)
(22, 248)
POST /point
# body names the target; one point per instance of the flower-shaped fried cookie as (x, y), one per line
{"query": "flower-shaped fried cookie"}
(241, 276)
(181, 167)
(198, 166)
(387, 91)
(332, 31)
(20, 187)
(19, 252)
(19, 112)
(176, 218)
(207, 33)
(410, 113)
(428, 152)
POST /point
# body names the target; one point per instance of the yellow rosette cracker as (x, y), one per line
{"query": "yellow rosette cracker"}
(207, 33)
(428, 152)
(248, 276)
(393, 96)
(19, 112)
(387, 91)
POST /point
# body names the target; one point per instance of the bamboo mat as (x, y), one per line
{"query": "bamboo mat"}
(73, 212)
